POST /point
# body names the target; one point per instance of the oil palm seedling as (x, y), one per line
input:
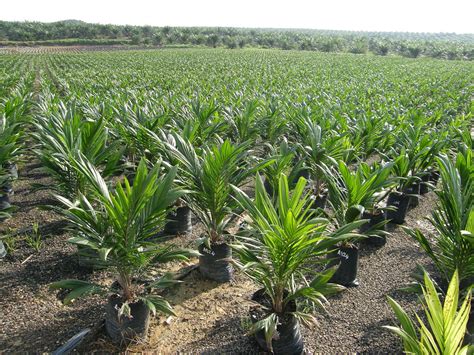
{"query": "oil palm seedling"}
(369, 134)
(459, 130)
(283, 163)
(119, 225)
(63, 135)
(244, 124)
(421, 146)
(446, 327)
(14, 114)
(274, 123)
(431, 145)
(451, 246)
(348, 192)
(320, 149)
(201, 123)
(208, 174)
(10, 149)
(365, 188)
(179, 220)
(399, 199)
(280, 252)
(135, 124)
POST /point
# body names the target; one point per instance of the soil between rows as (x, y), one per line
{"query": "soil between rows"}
(211, 317)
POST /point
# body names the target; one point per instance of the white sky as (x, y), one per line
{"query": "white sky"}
(361, 15)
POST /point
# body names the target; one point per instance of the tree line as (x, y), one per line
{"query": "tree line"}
(73, 32)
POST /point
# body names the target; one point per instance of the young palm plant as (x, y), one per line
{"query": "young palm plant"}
(180, 218)
(367, 186)
(208, 174)
(283, 158)
(119, 225)
(446, 326)
(354, 197)
(135, 125)
(244, 124)
(64, 134)
(319, 149)
(202, 123)
(8, 152)
(11, 118)
(369, 134)
(420, 146)
(274, 123)
(280, 252)
(453, 219)
(399, 200)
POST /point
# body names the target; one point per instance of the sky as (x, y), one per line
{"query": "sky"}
(361, 15)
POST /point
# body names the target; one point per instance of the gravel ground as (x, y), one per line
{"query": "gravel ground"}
(358, 314)
(211, 317)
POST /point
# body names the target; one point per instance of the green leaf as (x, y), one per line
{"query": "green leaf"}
(269, 326)
(353, 213)
(104, 252)
(78, 289)
(447, 325)
(403, 318)
(158, 304)
(165, 281)
(83, 241)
